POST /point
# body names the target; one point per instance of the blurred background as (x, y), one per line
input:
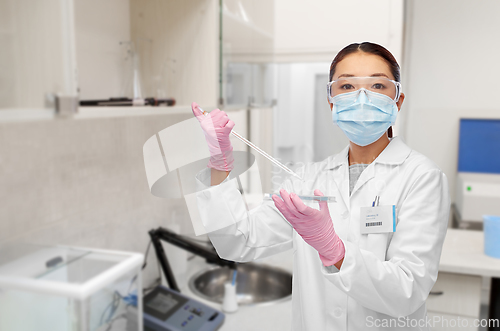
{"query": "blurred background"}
(73, 173)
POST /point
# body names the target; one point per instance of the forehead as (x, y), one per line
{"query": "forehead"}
(362, 64)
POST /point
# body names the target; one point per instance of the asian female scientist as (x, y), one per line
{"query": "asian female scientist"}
(368, 261)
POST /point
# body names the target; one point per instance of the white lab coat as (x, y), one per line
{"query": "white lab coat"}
(384, 276)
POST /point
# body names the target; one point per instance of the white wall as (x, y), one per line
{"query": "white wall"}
(294, 118)
(451, 70)
(316, 30)
(83, 183)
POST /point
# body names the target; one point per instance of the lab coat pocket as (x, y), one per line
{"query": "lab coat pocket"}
(377, 244)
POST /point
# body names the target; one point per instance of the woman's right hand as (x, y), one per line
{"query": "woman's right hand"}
(217, 127)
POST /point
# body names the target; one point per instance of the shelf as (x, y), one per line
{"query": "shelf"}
(23, 115)
(105, 112)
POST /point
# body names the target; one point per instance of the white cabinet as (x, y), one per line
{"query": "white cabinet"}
(99, 49)
(167, 48)
(315, 30)
(454, 302)
(208, 51)
(37, 55)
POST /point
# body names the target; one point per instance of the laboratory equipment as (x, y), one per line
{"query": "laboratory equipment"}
(128, 102)
(57, 288)
(478, 178)
(168, 310)
(268, 196)
(159, 234)
(257, 284)
(263, 153)
(491, 235)
(229, 303)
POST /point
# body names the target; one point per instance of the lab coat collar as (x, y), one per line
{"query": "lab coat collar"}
(395, 153)
(337, 160)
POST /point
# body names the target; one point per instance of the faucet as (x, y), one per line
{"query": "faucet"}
(163, 234)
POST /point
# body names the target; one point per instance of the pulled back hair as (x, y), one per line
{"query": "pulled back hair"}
(371, 48)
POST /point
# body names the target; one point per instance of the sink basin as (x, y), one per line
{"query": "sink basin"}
(256, 284)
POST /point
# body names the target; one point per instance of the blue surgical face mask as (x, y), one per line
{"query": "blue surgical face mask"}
(363, 115)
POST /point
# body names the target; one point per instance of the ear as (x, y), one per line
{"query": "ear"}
(400, 101)
(331, 104)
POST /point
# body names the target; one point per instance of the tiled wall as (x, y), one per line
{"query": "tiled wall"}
(82, 183)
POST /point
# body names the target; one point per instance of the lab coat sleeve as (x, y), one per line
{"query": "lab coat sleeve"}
(236, 233)
(401, 284)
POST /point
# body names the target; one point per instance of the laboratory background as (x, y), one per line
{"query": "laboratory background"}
(85, 84)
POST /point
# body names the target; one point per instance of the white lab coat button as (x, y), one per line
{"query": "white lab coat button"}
(345, 214)
(337, 312)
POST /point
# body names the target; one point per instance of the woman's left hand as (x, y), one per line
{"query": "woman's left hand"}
(314, 226)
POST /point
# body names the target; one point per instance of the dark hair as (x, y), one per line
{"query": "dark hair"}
(371, 48)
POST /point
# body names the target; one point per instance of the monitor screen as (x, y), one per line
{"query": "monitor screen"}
(162, 303)
(479, 146)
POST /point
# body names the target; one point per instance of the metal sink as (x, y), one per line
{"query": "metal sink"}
(256, 284)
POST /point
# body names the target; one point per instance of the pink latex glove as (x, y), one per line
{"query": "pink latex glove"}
(217, 127)
(314, 226)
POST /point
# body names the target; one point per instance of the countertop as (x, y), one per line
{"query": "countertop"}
(463, 252)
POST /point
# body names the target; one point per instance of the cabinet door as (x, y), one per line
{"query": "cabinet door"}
(37, 56)
(455, 294)
(447, 322)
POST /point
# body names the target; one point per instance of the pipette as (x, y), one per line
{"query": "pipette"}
(267, 196)
(267, 156)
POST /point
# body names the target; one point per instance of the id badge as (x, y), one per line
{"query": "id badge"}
(378, 219)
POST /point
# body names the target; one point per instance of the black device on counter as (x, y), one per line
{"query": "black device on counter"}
(127, 102)
(163, 234)
(166, 309)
